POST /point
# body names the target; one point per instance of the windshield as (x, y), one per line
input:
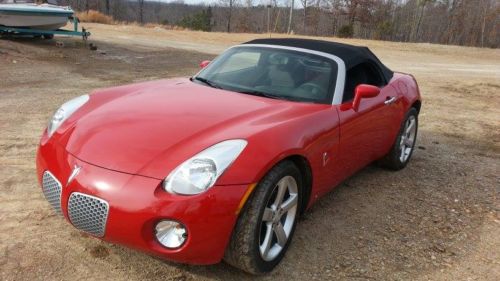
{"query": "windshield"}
(273, 73)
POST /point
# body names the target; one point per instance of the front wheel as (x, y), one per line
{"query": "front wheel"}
(267, 223)
(401, 152)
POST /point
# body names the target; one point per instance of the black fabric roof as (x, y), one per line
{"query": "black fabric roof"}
(351, 55)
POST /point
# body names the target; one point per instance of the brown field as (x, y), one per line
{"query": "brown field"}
(438, 219)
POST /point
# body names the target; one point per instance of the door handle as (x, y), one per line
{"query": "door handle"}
(390, 100)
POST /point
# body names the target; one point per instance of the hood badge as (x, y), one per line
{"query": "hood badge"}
(74, 173)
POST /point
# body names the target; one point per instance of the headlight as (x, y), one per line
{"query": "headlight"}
(200, 172)
(64, 112)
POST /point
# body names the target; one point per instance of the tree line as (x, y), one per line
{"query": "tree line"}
(457, 22)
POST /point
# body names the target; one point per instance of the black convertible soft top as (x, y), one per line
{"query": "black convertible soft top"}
(351, 55)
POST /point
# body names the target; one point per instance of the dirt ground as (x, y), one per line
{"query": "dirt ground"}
(438, 219)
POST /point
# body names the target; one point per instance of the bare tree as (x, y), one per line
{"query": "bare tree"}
(351, 6)
(305, 5)
(421, 4)
(292, 7)
(107, 7)
(245, 17)
(229, 4)
(459, 22)
(141, 11)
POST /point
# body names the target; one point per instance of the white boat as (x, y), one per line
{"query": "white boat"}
(27, 14)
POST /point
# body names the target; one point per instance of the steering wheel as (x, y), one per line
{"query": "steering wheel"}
(311, 89)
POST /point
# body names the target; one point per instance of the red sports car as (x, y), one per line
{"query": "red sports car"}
(220, 165)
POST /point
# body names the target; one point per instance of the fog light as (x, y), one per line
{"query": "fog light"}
(170, 234)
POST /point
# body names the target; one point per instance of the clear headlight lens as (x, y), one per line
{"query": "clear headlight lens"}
(64, 112)
(200, 172)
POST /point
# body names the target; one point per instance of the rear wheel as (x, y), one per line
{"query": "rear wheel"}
(48, 36)
(267, 223)
(402, 149)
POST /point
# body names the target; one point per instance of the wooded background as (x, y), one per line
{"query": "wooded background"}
(457, 22)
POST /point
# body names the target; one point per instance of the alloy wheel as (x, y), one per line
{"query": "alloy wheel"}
(278, 218)
(407, 138)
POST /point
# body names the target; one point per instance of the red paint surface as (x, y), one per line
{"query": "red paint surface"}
(128, 139)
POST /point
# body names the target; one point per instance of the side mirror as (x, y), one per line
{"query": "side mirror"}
(204, 63)
(364, 91)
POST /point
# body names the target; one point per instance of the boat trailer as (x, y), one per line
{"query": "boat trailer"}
(47, 34)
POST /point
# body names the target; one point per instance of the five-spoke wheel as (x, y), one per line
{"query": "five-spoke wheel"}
(278, 218)
(408, 138)
(267, 222)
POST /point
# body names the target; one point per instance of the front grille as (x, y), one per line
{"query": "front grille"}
(88, 213)
(52, 190)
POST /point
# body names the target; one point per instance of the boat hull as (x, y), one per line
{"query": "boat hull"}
(33, 22)
(34, 17)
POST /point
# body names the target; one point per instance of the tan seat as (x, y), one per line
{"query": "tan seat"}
(280, 78)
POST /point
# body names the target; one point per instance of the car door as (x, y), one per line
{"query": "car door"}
(365, 134)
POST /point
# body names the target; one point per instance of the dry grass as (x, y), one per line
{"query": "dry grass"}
(162, 26)
(98, 17)
(95, 16)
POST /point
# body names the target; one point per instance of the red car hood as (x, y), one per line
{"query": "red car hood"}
(150, 128)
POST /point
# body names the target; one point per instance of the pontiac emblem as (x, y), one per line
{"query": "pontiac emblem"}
(74, 173)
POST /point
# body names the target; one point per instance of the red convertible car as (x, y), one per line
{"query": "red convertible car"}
(220, 165)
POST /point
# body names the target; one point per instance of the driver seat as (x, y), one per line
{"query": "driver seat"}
(280, 78)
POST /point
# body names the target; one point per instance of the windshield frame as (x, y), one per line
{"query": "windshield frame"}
(341, 69)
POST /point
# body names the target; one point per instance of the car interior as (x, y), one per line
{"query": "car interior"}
(363, 73)
(297, 76)
(282, 74)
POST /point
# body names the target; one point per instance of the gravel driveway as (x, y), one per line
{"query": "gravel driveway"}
(438, 219)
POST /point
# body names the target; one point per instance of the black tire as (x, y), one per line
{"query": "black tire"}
(48, 36)
(392, 160)
(243, 250)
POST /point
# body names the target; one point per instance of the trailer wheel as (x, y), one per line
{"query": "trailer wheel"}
(48, 36)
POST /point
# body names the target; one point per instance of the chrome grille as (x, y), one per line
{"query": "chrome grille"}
(88, 213)
(52, 190)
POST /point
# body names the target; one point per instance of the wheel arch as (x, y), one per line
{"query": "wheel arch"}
(304, 166)
(417, 104)
(305, 169)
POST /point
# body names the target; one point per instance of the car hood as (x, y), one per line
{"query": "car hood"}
(150, 128)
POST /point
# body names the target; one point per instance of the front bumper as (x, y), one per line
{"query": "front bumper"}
(137, 203)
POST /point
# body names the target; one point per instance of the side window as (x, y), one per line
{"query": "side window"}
(364, 73)
(239, 61)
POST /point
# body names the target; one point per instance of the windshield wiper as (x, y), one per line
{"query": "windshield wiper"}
(271, 96)
(206, 81)
(260, 94)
